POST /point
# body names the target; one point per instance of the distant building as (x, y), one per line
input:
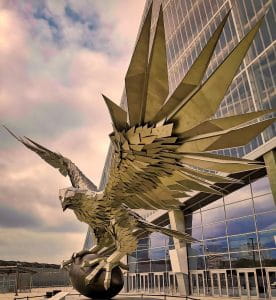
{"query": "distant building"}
(237, 252)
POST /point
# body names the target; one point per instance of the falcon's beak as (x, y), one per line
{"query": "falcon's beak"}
(65, 207)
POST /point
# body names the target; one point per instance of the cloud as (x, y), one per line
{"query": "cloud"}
(55, 63)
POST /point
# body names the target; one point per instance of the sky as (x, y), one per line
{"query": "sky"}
(56, 59)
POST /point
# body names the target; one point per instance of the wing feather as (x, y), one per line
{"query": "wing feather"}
(65, 166)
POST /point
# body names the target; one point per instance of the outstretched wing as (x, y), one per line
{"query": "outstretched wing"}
(161, 143)
(56, 160)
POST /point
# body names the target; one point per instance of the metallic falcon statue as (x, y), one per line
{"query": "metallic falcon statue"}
(161, 146)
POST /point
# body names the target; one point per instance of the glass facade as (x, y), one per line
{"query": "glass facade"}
(234, 233)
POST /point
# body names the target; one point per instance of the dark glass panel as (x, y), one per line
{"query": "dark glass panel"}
(240, 209)
(214, 230)
(266, 221)
(241, 225)
(245, 259)
(216, 246)
(193, 220)
(195, 232)
(132, 257)
(157, 253)
(217, 261)
(196, 263)
(158, 266)
(261, 186)
(246, 242)
(240, 194)
(264, 203)
(133, 267)
(168, 265)
(157, 240)
(142, 255)
(143, 243)
(195, 249)
(267, 239)
(144, 266)
(268, 258)
(213, 215)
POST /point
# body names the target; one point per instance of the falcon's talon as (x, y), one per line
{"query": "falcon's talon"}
(103, 265)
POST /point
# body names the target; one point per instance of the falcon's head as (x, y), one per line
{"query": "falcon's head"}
(72, 197)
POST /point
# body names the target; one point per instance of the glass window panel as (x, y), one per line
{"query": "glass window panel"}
(158, 266)
(157, 253)
(195, 249)
(142, 255)
(133, 268)
(267, 239)
(214, 230)
(132, 257)
(268, 258)
(264, 203)
(214, 204)
(240, 209)
(143, 267)
(261, 186)
(195, 232)
(157, 240)
(240, 194)
(143, 243)
(245, 259)
(196, 263)
(217, 261)
(193, 220)
(213, 215)
(266, 221)
(247, 242)
(242, 225)
(216, 246)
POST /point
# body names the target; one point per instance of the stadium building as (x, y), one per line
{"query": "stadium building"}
(236, 256)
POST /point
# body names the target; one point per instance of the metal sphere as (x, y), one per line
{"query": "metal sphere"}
(95, 289)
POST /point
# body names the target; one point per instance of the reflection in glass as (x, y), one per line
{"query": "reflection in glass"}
(214, 230)
(195, 232)
(267, 239)
(157, 240)
(192, 220)
(247, 242)
(195, 249)
(268, 258)
(143, 266)
(143, 243)
(240, 194)
(213, 215)
(196, 263)
(266, 221)
(241, 225)
(158, 266)
(264, 203)
(261, 186)
(240, 209)
(217, 261)
(216, 246)
(245, 259)
(142, 255)
(214, 204)
(157, 253)
(243, 283)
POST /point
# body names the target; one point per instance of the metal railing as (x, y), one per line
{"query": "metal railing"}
(159, 295)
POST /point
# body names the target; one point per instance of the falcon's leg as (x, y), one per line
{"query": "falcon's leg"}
(126, 243)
